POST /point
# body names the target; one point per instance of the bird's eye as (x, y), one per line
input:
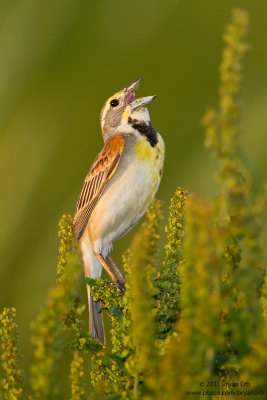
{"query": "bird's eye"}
(114, 102)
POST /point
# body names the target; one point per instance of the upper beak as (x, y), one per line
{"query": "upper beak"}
(132, 87)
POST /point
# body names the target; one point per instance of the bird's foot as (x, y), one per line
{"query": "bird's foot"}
(119, 285)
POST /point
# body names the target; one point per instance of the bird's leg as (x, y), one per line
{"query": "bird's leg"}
(116, 269)
(116, 282)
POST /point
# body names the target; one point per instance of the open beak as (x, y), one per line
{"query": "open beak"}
(130, 96)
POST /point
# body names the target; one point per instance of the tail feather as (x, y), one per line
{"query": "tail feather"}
(96, 326)
(92, 269)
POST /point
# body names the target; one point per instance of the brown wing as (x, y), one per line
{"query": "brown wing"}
(95, 182)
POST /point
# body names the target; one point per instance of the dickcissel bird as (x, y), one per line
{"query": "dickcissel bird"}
(118, 188)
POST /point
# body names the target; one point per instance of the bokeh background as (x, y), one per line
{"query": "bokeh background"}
(60, 61)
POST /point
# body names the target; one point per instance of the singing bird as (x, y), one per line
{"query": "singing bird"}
(118, 188)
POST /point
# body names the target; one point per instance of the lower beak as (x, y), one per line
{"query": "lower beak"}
(142, 102)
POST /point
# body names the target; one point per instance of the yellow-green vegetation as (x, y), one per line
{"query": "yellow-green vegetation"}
(193, 322)
(77, 377)
(11, 386)
(60, 311)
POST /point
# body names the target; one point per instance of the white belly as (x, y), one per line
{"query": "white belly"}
(125, 200)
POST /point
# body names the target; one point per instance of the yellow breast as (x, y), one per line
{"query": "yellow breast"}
(146, 152)
(152, 157)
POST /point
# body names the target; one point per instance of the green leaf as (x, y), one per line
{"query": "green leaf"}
(90, 281)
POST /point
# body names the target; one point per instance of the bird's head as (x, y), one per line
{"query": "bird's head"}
(121, 109)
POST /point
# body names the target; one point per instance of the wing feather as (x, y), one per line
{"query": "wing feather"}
(95, 182)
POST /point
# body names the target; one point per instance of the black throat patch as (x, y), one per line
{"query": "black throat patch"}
(145, 129)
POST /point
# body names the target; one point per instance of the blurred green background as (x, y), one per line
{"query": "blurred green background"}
(60, 61)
